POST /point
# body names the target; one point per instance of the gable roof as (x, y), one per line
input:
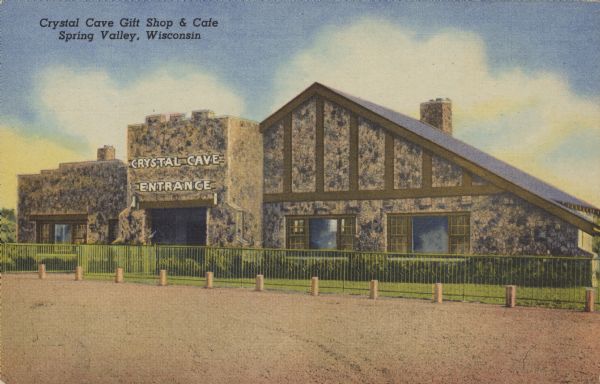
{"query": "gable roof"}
(465, 155)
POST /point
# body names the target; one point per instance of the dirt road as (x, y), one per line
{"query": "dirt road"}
(61, 331)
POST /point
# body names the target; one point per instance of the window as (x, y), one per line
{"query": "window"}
(429, 233)
(62, 232)
(320, 232)
(45, 233)
(398, 232)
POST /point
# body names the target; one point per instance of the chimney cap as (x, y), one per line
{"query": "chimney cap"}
(438, 100)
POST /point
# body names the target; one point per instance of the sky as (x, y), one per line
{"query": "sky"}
(523, 77)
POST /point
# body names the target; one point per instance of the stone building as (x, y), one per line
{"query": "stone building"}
(193, 181)
(76, 203)
(327, 170)
(341, 172)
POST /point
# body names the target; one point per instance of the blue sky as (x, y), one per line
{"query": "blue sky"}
(526, 60)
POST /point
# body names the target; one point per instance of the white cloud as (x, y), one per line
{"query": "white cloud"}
(93, 109)
(523, 118)
(97, 108)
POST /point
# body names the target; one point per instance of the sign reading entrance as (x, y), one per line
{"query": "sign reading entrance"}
(174, 161)
(174, 186)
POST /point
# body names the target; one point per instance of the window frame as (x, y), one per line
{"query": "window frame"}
(453, 237)
(75, 226)
(342, 239)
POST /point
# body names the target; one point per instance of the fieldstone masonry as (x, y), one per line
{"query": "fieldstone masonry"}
(500, 223)
(235, 179)
(95, 189)
(225, 165)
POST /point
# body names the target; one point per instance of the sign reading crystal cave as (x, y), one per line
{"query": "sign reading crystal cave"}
(174, 161)
(174, 186)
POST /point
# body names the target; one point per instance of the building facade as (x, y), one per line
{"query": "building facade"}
(327, 171)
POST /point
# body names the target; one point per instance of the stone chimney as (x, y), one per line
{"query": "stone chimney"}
(203, 114)
(438, 113)
(106, 153)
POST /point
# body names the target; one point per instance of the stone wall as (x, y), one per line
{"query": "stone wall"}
(303, 147)
(245, 181)
(371, 155)
(500, 224)
(94, 188)
(445, 173)
(236, 179)
(408, 164)
(273, 159)
(336, 139)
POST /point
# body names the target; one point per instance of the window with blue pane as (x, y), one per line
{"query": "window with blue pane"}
(430, 234)
(313, 232)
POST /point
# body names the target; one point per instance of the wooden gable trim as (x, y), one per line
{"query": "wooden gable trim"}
(389, 159)
(426, 145)
(290, 106)
(381, 194)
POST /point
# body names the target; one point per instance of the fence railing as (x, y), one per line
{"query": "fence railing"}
(541, 280)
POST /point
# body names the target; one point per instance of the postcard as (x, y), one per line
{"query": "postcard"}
(301, 192)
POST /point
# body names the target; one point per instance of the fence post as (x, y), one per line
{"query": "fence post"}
(373, 289)
(437, 293)
(511, 296)
(78, 273)
(260, 283)
(119, 275)
(589, 299)
(162, 281)
(209, 280)
(314, 286)
(42, 271)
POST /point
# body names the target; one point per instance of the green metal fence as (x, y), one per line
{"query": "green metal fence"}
(541, 280)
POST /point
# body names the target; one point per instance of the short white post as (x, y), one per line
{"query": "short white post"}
(437, 293)
(260, 283)
(119, 275)
(314, 286)
(78, 273)
(209, 280)
(42, 271)
(373, 289)
(162, 280)
(511, 296)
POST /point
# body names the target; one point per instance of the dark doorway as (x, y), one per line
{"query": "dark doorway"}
(179, 226)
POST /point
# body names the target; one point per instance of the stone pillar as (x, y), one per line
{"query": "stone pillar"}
(162, 281)
(374, 289)
(78, 273)
(209, 280)
(42, 271)
(314, 286)
(119, 275)
(260, 283)
(589, 299)
(437, 293)
(511, 296)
